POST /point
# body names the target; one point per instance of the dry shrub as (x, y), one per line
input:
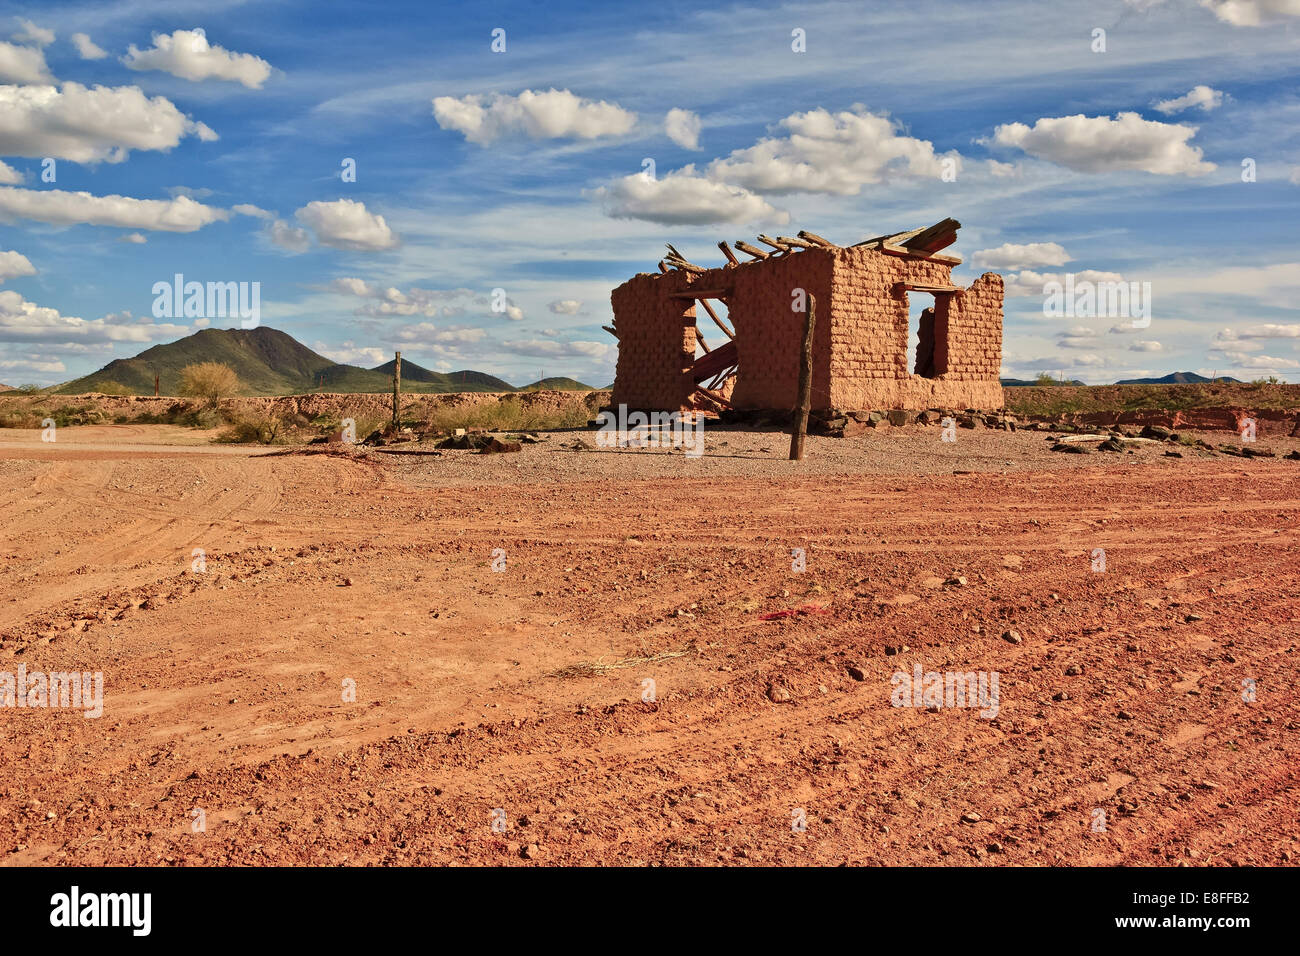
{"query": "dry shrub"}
(210, 381)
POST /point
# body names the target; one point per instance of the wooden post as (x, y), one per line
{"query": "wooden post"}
(155, 386)
(397, 390)
(805, 384)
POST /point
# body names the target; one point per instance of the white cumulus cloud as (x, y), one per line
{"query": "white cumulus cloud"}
(684, 198)
(347, 224)
(23, 64)
(1028, 256)
(289, 237)
(1203, 96)
(565, 306)
(90, 124)
(15, 264)
(834, 153)
(1094, 144)
(549, 114)
(188, 55)
(61, 208)
(87, 49)
(31, 33)
(683, 128)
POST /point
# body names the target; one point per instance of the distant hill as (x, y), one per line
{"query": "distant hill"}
(1177, 378)
(268, 362)
(462, 381)
(556, 383)
(6, 388)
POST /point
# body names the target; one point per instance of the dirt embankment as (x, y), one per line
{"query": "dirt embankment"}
(1210, 407)
(329, 405)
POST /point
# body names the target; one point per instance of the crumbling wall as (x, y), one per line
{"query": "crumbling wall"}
(656, 342)
(974, 333)
(769, 333)
(869, 358)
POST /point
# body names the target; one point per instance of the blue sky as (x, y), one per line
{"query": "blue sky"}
(211, 137)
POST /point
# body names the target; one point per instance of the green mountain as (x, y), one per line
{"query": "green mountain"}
(462, 381)
(268, 362)
(557, 383)
(1175, 378)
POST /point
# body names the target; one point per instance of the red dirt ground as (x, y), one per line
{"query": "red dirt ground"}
(521, 691)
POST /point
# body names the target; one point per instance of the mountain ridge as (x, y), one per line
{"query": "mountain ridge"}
(268, 362)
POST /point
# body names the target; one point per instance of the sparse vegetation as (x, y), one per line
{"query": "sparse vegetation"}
(257, 427)
(509, 414)
(210, 381)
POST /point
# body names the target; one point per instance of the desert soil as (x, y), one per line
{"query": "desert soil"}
(520, 696)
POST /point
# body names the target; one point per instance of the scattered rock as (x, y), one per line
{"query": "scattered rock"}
(856, 672)
(1012, 637)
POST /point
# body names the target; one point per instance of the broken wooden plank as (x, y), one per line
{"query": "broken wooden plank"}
(813, 237)
(716, 396)
(894, 238)
(714, 316)
(701, 294)
(797, 243)
(774, 243)
(917, 254)
(690, 267)
(611, 331)
(901, 287)
(754, 251)
(726, 251)
(719, 360)
(934, 238)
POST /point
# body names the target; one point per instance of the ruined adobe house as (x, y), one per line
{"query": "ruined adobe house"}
(864, 295)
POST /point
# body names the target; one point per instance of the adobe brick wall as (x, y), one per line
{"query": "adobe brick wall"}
(656, 342)
(769, 333)
(860, 353)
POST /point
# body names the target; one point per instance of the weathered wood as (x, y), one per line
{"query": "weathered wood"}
(700, 341)
(716, 396)
(701, 294)
(610, 330)
(894, 250)
(774, 243)
(719, 360)
(675, 254)
(797, 243)
(805, 384)
(662, 267)
(687, 266)
(726, 251)
(754, 251)
(717, 321)
(813, 237)
(893, 238)
(397, 390)
(934, 238)
(901, 287)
